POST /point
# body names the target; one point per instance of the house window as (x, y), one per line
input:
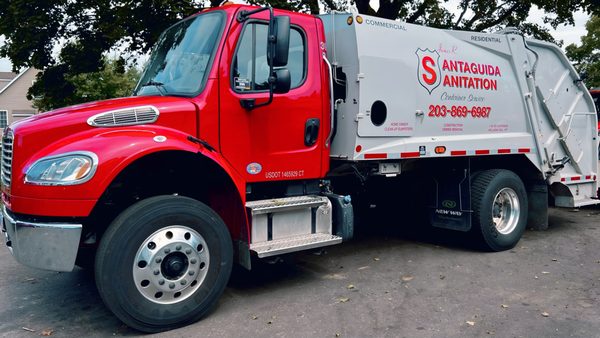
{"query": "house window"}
(3, 118)
(250, 67)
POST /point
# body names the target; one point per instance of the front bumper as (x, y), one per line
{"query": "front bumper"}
(48, 246)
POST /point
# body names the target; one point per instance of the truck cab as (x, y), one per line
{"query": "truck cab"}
(233, 100)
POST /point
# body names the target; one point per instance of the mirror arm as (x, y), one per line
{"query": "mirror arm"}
(244, 15)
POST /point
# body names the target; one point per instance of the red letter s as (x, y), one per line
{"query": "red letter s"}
(427, 64)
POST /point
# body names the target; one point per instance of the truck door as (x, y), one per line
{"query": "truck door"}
(285, 139)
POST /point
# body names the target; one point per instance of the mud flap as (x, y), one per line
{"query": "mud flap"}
(451, 202)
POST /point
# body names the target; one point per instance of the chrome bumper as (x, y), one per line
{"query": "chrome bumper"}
(48, 246)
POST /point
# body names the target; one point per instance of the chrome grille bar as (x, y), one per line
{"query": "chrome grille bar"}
(7, 155)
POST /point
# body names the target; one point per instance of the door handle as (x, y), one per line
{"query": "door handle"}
(311, 132)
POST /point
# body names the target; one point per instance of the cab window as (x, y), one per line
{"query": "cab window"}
(250, 68)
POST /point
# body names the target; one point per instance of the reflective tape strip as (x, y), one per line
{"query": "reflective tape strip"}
(415, 154)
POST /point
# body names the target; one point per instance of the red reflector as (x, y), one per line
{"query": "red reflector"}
(563, 179)
(524, 150)
(503, 151)
(458, 152)
(575, 178)
(358, 148)
(373, 156)
(482, 152)
(410, 154)
(588, 177)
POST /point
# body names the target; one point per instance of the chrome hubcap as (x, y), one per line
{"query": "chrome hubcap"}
(506, 211)
(170, 264)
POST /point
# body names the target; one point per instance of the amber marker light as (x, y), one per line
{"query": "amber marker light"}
(440, 149)
(349, 20)
(359, 19)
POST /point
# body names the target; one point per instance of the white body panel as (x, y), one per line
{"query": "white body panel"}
(475, 94)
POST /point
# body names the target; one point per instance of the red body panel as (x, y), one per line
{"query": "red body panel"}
(272, 135)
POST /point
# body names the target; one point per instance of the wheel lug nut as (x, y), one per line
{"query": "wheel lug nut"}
(178, 247)
(191, 273)
(156, 272)
(183, 282)
(167, 250)
(161, 282)
(158, 260)
(172, 286)
(188, 251)
(193, 261)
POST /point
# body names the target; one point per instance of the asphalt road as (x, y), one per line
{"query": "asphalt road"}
(389, 282)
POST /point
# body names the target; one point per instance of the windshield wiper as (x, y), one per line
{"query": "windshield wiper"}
(159, 86)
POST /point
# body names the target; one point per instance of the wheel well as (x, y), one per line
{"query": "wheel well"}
(169, 173)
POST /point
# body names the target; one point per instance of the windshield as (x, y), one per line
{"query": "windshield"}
(181, 59)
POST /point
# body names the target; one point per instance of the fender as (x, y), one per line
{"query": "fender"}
(116, 149)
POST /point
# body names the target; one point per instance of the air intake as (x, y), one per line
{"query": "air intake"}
(125, 117)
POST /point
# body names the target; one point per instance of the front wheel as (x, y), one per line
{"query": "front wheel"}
(163, 263)
(499, 202)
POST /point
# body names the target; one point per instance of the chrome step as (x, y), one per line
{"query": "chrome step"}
(294, 243)
(287, 203)
(290, 224)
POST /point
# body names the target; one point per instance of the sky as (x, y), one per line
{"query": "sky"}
(569, 34)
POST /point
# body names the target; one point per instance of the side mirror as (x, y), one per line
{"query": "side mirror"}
(279, 41)
(282, 81)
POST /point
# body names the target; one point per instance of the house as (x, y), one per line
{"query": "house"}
(14, 105)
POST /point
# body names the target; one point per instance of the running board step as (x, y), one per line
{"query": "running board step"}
(295, 243)
(290, 224)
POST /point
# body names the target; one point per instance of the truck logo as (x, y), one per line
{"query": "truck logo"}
(428, 70)
(449, 204)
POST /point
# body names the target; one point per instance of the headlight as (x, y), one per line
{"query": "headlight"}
(64, 169)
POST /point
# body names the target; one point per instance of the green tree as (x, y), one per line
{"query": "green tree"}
(113, 80)
(586, 57)
(86, 30)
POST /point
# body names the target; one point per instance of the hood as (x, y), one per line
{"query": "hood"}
(78, 115)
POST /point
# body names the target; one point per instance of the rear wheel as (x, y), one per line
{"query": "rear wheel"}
(163, 263)
(499, 202)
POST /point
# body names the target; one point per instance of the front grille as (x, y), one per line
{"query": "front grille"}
(125, 117)
(7, 156)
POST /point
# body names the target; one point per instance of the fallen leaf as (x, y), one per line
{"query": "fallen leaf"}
(343, 299)
(407, 278)
(554, 260)
(363, 267)
(504, 306)
(442, 277)
(337, 334)
(375, 259)
(545, 272)
(254, 317)
(350, 286)
(536, 277)
(545, 314)
(47, 332)
(470, 323)
(28, 329)
(270, 322)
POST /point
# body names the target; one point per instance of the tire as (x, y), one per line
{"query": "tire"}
(499, 203)
(163, 263)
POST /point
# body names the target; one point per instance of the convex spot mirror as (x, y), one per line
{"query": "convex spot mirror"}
(282, 81)
(279, 40)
